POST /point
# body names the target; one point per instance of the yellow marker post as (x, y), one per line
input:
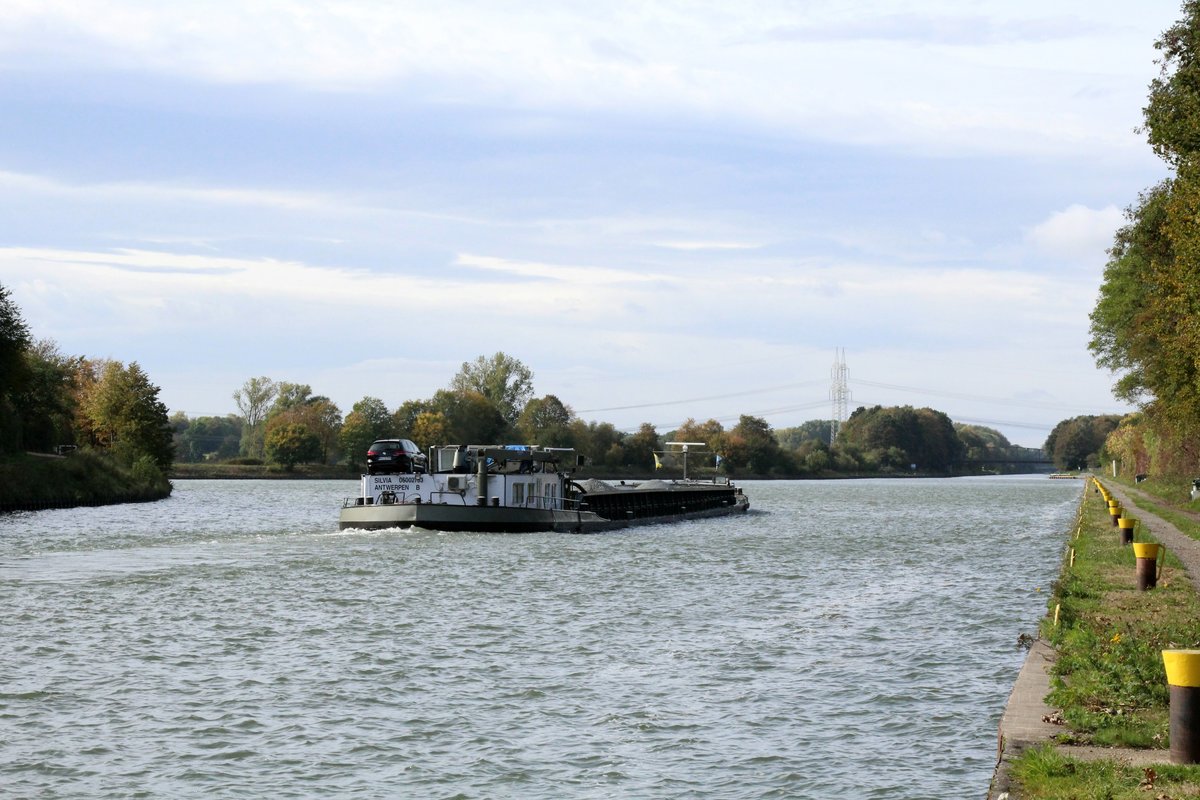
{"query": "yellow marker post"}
(1183, 678)
(1126, 525)
(1148, 560)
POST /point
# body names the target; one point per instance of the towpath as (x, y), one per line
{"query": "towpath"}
(1027, 720)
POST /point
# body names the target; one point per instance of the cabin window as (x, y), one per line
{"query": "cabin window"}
(518, 494)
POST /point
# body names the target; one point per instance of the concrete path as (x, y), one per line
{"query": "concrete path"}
(1027, 719)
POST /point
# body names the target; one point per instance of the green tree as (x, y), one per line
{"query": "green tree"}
(405, 417)
(253, 401)
(640, 447)
(14, 341)
(1172, 115)
(1124, 339)
(289, 396)
(1076, 443)
(210, 437)
(127, 417)
(471, 417)
(600, 442)
(290, 444)
(813, 430)
(367, 421)
(1145, 324)
(502, 379)
(896, 437)
(546, 421)
(46, 404)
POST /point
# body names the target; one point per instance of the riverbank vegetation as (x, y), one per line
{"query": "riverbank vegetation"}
(100, 418)
(1110, 681)
(1109, 678)
(492, 400)
(1143, 325)
(85, 478)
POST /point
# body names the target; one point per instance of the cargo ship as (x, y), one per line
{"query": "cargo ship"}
(525, 489)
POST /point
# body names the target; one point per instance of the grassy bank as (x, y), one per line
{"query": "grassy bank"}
(265, 471)
(1109, 679)
(82, 479)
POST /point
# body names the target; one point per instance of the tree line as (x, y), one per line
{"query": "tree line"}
(48, 400)
(492, 400)
(1144, 324)
(51, 402)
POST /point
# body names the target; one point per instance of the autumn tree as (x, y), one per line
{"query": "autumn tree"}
(429, 429)
(290, 444)
(751, 445)
(318, 415)
(126, 416)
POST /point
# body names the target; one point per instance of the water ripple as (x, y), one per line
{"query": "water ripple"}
(229, 641)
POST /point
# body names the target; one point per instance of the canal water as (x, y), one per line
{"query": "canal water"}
(851, 639)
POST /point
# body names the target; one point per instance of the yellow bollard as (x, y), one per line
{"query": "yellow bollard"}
(1183, 679)
(1148, 560)
(1126, 525)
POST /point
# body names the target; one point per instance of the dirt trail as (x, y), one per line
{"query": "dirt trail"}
(1182, 546)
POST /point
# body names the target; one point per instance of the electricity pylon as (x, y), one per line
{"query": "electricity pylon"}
(838, 393)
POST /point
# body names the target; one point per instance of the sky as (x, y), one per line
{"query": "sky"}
(664, 208)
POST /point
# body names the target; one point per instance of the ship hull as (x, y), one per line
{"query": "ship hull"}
(487, 519)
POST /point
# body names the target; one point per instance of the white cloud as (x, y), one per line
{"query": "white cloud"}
(579, 275)
(707, 245)
(1029, 82)
(1077, 232)
(143, 192)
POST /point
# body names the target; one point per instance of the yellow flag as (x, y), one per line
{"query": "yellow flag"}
(657, 461)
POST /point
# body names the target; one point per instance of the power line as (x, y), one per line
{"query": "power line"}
(700, 399)
(963, 396)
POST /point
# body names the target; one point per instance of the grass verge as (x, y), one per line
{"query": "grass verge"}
(1044, 773)
(85, 478)
(1109, 678)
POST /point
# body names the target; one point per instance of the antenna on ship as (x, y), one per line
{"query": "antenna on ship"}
(838, 393)
(685, 446)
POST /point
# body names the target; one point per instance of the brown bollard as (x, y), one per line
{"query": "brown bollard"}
(1115, 513)
(1183, 678)
(1146, 557)
(1126, 525)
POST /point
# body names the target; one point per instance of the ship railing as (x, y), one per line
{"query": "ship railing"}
(541, 502)
(404, 498)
